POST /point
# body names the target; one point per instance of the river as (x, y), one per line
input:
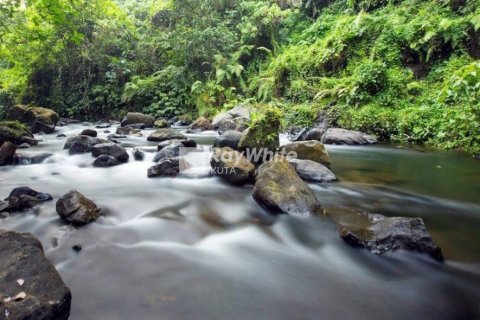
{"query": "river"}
(197, 248)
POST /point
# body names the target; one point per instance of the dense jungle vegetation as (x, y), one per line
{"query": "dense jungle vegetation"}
(405, 70)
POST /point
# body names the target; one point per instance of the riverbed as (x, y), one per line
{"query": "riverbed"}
(195, 247)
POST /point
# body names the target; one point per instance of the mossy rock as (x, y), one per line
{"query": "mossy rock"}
(22, 114)
(45, 115)
(308, 150)
(263, 132)
(161, 124)
(16, 133)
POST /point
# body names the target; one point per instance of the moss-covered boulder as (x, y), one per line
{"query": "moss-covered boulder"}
(22, 114)
(35, 118)
(308, 150)
(15, 133)
(232, 166)
(263, 132)
(161, 124)
(279, 189)
(202, 124)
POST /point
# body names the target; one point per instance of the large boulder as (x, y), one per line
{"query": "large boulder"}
(110, 149)
(312, 171)
(31, 287)
(105, 161)
(308, 150)
(170, 151)
(279, 189)
(347, 137)
(77, 209)
(7, 153)
(240, 111)
(15, 133)
(226, 125)
(136, 118)
(232, 166)
(229, 139)
(263, 132)
(46, 119)
(89, 132)
(24, 198)
(201, 124)
(81, 144)
(170, 167)
(165, 134)
(391, 234)
(161, 124)
(22, 114)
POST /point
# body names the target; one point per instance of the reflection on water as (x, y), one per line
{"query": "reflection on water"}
(200, 249)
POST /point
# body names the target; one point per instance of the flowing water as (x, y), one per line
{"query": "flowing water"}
(197, 248)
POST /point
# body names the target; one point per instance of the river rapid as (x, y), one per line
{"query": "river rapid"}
(198, 248)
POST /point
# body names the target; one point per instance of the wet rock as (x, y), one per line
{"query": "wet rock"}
(168, 168)
(24, 198)
(21, 159)
(170, 151)
(229, 139)
(315, 134)
(77, 248)
(7, 152)
(138, 155)
(387, 235)
(138, 126)
(183, 121)
(263, 133)
(22, 114)
(201, 124)
(81, 144)
(226, 125)
(43, 127)
(128, 130)
(240, 111)
(347, 137)
(61, 135)
(105, 161)
(296, 133)
(24, 146)
(189, 143)
(76, 209)
(116, 136)
(89, 132)
(110, 149)
(279, 189)
(103, 125)
(15, 133)
(165, 134)
(17, 192)
(308, 150)
(46, 119)
(312, 171)
(232, 166)
(135, 118)
(42, 293)
(161, 124)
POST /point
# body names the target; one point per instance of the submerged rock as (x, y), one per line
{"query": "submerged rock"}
(89, 132)
(387, 235)
(308, 150)
(170, 167)
(81, 144)
(232, 166)
(128, 130)
(110, 149)
(24, 198)
(229, 139)
(347, 137)
(22, 159)
(135, 118)
(7, 153)
(105, 161)
(201, 124)
(31, 287)
(279, 189)
(77, 209)
(165, 134)
(312, 171)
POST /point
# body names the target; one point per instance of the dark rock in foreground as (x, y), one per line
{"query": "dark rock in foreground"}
(110, 149)
(77, 209)
(170, 167)
(81, 144)
(280, 190)
(312, 171)
(165, 134)
(31, 287)
(387, 235)
(105, 161)
(232, 166)
(7, 152)
(23, 198)
(347, 137)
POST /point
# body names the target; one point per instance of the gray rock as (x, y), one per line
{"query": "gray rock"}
(128, 130)
(24, 198)
(170, 167)
(43, 295)
(232, 166)
(76, 209)
(170, 151)
(279, 189)
(312, 171)
(116, 136)
(110, 149)
(387, 235)
(229, 139)
(105, 161)
(165, 134)
(81, 144)
(315, 134)
(138, 155)
(226, 125)
(308, 150)
(7, 152)
(201, 124)
(347, 137)
(135, 118)
(89, 132)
